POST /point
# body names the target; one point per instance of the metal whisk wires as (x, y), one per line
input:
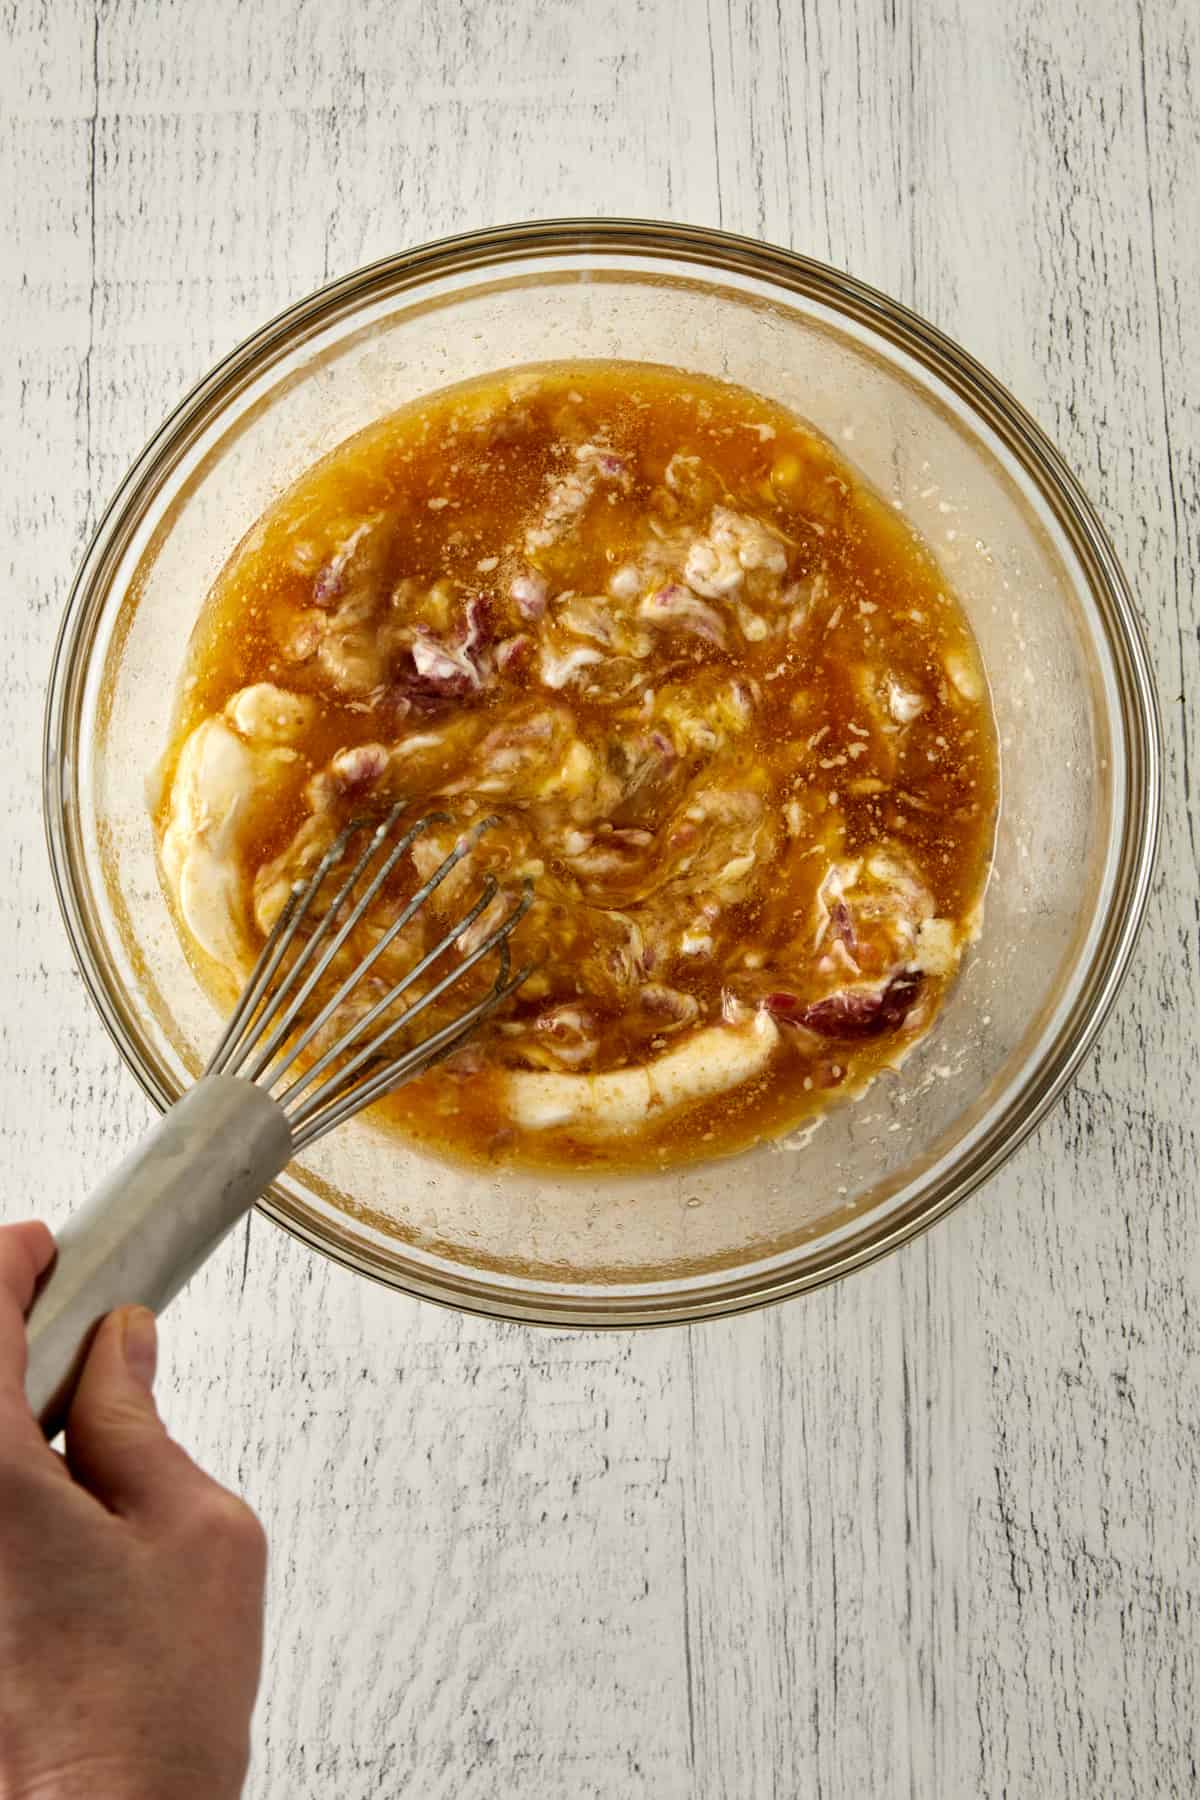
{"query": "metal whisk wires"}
(269, 1032)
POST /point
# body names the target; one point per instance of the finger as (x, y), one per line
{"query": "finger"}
(116, 1445)
(25, 1252)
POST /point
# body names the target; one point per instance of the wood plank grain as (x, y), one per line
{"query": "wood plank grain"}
(933, 1531)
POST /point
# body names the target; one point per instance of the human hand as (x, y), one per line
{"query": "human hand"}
(131, 1583)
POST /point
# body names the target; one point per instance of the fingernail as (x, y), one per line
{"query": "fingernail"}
(139, 1340)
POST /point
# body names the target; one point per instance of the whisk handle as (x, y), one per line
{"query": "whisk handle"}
(146, 1229)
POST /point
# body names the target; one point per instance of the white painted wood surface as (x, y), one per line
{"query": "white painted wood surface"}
(934, 1531)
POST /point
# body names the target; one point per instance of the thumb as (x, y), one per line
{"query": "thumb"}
(117, 1446)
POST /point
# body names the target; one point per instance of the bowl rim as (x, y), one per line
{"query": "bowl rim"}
(903, 329)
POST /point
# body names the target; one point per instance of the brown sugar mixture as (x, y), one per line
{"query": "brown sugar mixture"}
(713, 693)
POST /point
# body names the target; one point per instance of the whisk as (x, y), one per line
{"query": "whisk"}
(149, 1226)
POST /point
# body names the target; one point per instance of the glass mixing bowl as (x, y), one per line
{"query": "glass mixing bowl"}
(1074, 703)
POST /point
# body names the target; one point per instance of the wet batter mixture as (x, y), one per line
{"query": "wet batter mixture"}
(716, 696)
